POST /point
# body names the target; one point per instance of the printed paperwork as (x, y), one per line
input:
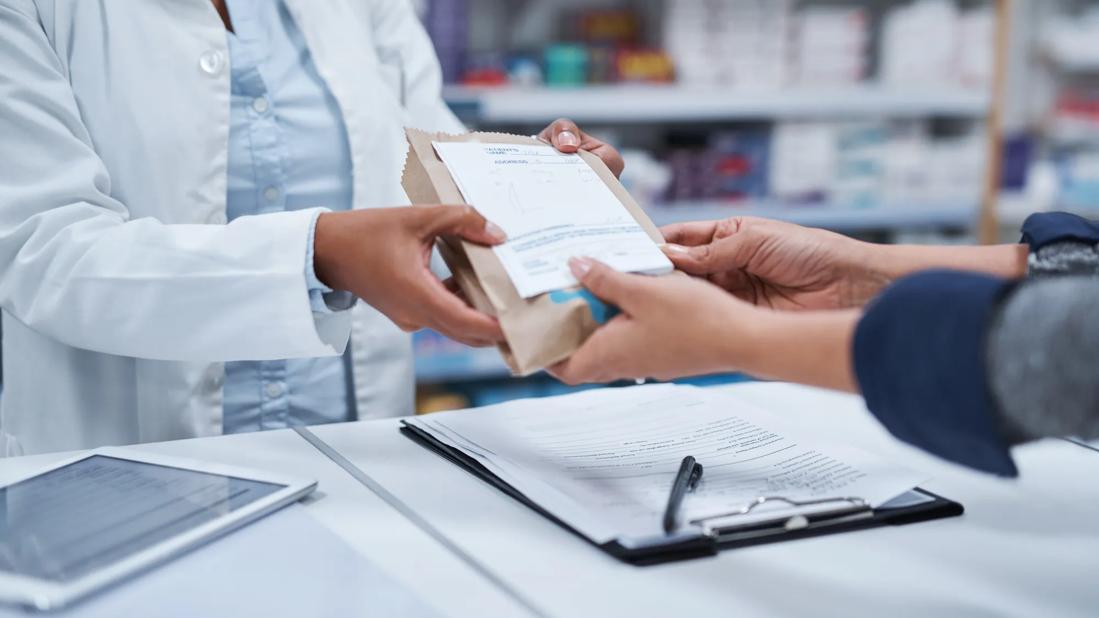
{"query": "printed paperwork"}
(603, 461)
(552, 206)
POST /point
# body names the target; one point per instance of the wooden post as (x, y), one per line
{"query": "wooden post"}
(989, 230)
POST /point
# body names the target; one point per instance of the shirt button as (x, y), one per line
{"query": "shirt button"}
(270, 194)
(260, 105)
(272, 390)
(211, 62)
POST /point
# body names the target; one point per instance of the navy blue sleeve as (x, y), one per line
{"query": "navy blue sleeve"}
(919, 358)
(1047, 228)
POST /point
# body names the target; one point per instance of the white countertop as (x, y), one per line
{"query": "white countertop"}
(1025, 547)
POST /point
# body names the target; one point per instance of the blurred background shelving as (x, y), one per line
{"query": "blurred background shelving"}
(874, 118)
(1054, 104)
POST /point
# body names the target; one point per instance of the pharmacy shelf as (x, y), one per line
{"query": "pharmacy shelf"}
(675, 103)
(838, 218)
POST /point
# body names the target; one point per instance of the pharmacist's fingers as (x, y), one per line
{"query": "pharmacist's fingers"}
(690, 234)
(452, 317)
(609, 154)
(618, 289)
(452, 286)
(564, 135)
(463, 221)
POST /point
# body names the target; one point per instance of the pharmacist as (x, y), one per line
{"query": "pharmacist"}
(188, 196)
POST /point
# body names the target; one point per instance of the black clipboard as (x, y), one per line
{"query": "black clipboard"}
(841, 519)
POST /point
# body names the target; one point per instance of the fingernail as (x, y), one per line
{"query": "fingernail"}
(568, 138)
(495, 231)
(676, 249)
(580, 267)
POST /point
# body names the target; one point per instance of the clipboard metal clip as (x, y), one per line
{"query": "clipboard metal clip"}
(847, 509)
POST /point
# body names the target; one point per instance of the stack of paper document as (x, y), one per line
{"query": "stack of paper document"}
(553, 206)
(603, 461)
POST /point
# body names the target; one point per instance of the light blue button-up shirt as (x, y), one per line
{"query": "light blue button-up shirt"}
(288, 150)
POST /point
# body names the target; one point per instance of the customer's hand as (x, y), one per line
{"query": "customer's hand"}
(383, 255)
(567, 137)
(777, 265)
(670, 327)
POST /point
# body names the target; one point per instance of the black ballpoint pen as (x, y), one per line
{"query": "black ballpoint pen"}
(690, 472)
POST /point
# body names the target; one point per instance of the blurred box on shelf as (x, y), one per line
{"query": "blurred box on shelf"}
(731, 165)
(645, 177)
(977, 31)
(448, 22)
(803, 160)
(742, 43)
(832, 46)
(1070, 40)
(645, 66)
(862, 150)
(1078, 176)
(937, 43)
(566, 65)
(612, 27)
(1075, 117)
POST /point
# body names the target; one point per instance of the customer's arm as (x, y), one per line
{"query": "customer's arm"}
(786, 266)
(964, 364)
(960, 364)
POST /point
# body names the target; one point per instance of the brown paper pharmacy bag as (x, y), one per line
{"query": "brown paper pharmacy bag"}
(542, 330)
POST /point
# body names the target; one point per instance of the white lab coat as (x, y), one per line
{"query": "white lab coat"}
(123, 290)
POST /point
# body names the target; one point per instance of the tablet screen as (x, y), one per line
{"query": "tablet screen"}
(68, 522)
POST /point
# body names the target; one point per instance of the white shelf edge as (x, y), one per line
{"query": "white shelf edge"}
(679, 103)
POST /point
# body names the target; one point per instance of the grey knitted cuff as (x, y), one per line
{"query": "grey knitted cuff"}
(1064, 258)
(1041, 359)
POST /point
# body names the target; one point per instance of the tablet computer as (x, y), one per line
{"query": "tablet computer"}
(88, 522)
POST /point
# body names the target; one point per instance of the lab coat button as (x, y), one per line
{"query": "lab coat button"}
(272, 390)
(212, 62)
(271, 194)
(260, 105)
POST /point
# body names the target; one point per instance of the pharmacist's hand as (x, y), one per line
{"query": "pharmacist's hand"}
(567, 137)
(775, 264)
(383, 256)
(670, 327)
